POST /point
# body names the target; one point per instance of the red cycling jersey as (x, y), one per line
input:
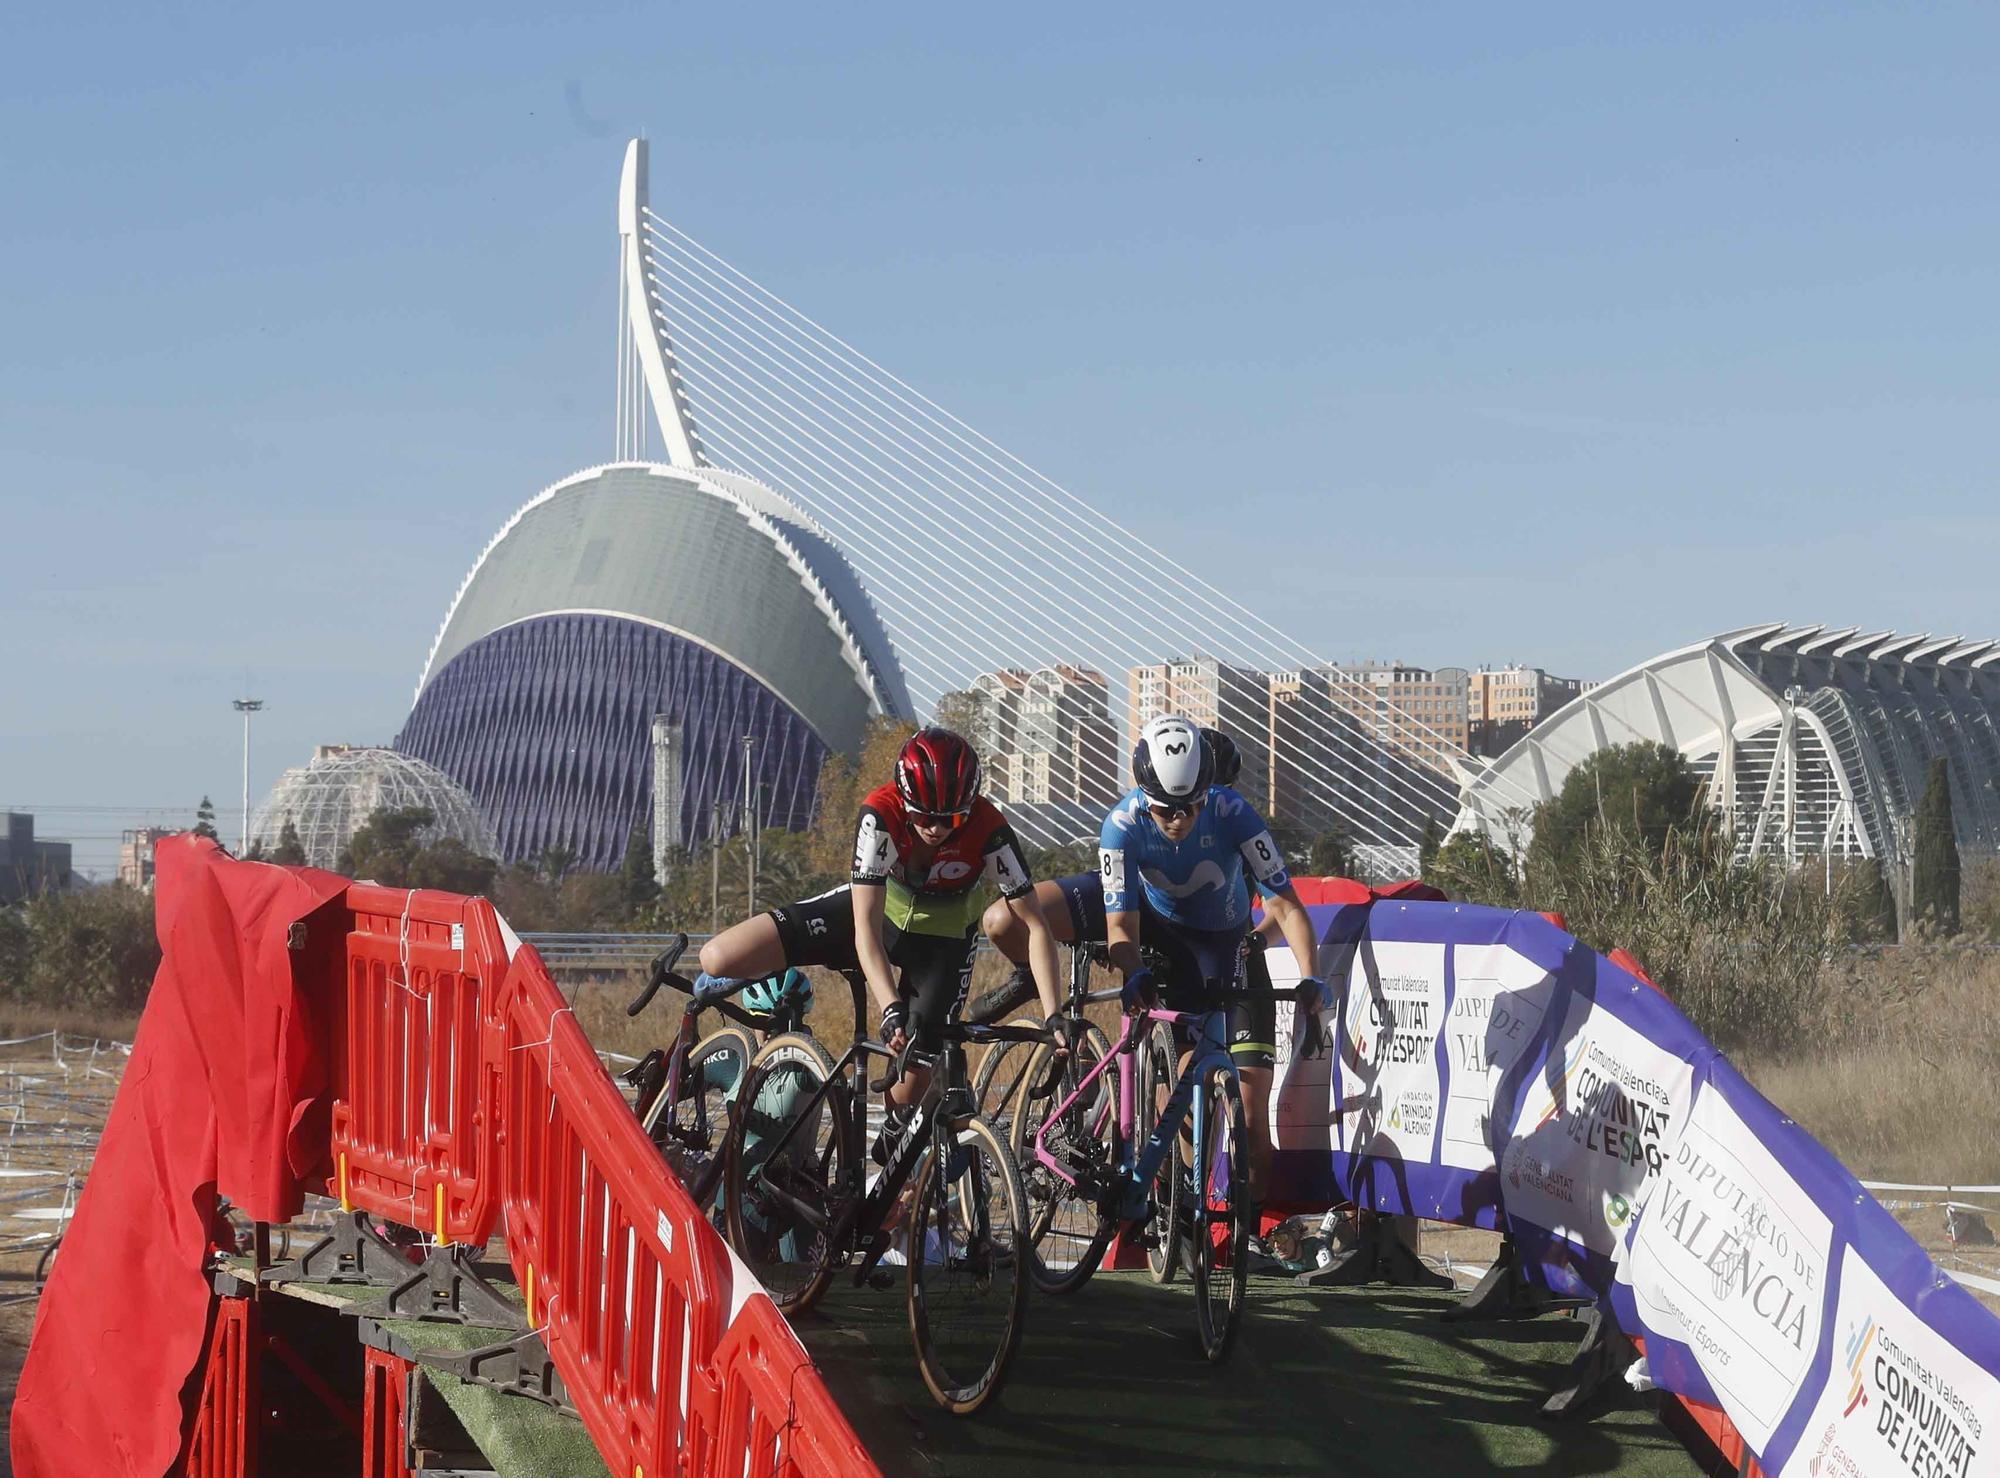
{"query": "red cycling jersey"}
(941, 901)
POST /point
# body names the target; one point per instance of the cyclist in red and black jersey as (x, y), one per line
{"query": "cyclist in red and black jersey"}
(922, 846)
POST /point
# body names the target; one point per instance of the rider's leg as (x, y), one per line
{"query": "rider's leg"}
(937, 972)
(1010, 936)
(1067, 922)
(746, 951)
(1256, 1084)
(814, 931)
(1253, 1022)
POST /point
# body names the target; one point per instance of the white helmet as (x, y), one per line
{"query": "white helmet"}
(1171, 762)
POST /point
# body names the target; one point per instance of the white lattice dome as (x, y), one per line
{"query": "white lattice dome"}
(330, 798)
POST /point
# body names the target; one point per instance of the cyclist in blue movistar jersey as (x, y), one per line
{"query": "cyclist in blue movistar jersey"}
(1176, 857)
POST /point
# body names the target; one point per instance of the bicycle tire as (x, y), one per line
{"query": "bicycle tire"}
(793, 1261)
(958, 1265)
(1218, 1291)
(996, 1092)
(1055, 1208)
(1158, 1069)
(692, 1135)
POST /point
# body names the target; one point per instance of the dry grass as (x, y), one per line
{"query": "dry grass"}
(19, 1019)
(1904, 1088)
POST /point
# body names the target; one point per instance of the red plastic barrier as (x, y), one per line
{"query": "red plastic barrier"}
(386, 1387)
(415, 1119)
(631, 1287)
(223, 1440)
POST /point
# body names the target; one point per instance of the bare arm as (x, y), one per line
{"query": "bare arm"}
(1296, 925)
(1121, 933)
(869, 903)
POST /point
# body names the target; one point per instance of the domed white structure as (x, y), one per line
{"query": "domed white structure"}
(330, 798)
(639, 608)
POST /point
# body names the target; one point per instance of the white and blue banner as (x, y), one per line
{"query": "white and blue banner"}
(1487, 1069)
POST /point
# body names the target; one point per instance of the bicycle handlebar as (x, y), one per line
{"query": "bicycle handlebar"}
(663, 964)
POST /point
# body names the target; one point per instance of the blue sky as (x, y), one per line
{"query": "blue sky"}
(1557, 334)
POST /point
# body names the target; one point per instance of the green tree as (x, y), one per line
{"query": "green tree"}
(1874, 904)
(1427, 847)
(81, 947)
(204, 819)
(1470, 866)
(842, 784)
(1934, 874)
(291, 850)
(641, 889)
(1641, 790)
(448, 864)
(1330, 856)
(384, 848)
(1062, 860)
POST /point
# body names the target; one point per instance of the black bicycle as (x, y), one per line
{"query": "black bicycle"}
(797, 1207)
(682, 1094)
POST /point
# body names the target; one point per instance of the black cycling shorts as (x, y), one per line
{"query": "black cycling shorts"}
(935, 969)
(1201, 968)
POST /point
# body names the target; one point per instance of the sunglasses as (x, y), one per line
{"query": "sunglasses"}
(1175, 812)
(952, 819)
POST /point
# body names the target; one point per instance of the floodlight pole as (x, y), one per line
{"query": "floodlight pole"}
(749, 829)
(246, 707)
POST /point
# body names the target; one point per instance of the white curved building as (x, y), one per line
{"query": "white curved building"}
(643, 609)
(1816, 739)
(637, 591)
(328, 799)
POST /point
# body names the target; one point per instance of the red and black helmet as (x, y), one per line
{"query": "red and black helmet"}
(937, 774)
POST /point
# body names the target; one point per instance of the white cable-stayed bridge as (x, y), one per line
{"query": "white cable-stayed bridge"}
(979, 564)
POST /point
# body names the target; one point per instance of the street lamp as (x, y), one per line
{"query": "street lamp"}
(246, 707)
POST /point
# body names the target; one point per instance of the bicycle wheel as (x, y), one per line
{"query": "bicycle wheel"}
(1157, 1073)
(1003, 1068)
(1221, 1231)
(968, 1267)
(780, 1199)
(1067, 1230)
(692, 1135)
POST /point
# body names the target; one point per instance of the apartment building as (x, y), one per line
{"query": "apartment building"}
(1044, 736)
(1216, 695)
(1503, 703)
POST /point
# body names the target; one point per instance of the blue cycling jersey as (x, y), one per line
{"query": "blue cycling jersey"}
(1200, 880)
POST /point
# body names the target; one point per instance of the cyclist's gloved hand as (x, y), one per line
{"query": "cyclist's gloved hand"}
(895, 1022)
(1315, 994)
(1137, 990)
(1058, 1025)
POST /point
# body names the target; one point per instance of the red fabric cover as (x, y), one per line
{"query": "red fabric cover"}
(1346, 890)
(225, 1091)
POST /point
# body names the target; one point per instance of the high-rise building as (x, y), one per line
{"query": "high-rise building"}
(1215, 694)
(1044, 736)
(1416, 711)
(1366, 749)
(1503, 703)
(135, 855)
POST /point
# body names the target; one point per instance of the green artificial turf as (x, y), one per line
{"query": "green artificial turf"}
(520, 1438)
(1109, 1380)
